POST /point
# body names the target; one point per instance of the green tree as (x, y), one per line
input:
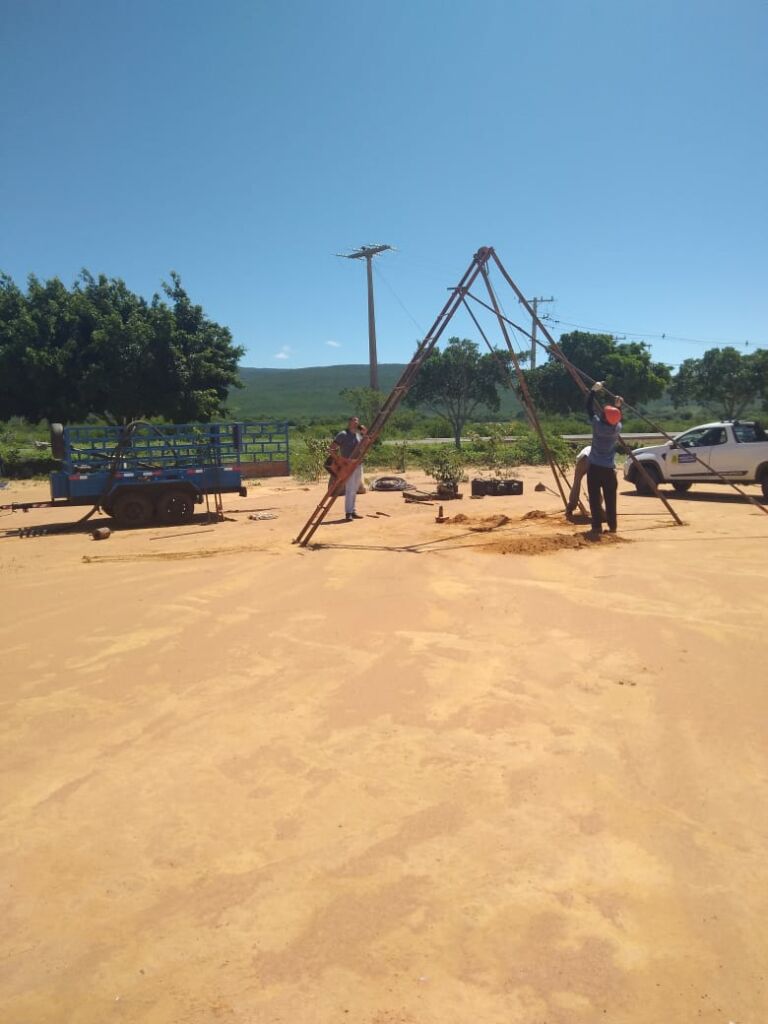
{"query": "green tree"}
(724, 380)
(112, 372)
(38, 345)
(363, 402)
(17, 332)
(194, 355)
(457, 381)
(100, 349)
(626, 368)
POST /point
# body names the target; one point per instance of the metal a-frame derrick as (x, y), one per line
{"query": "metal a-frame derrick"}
(397, 394)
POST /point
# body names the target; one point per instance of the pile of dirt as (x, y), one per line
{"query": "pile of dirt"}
(545, 545)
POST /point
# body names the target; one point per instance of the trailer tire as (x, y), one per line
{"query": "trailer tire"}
(132, 509)
(174, 506)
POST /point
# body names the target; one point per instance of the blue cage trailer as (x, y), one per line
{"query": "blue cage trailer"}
(144, 472)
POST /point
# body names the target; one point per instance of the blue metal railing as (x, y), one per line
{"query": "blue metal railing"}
(150, 446)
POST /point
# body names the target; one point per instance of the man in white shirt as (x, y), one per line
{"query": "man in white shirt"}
(343, 445)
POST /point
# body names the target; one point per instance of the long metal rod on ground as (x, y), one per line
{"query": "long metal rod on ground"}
(399, 391)
(580, 377)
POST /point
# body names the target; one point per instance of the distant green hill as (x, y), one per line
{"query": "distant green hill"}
(312, 393)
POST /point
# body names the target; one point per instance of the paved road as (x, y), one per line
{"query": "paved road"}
(575, 438)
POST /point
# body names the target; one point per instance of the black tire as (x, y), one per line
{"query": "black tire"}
(389, 483)
(681, 486)
(764, 484)
(57, 441)
(175, 506)
(132, 509)
(641, 484)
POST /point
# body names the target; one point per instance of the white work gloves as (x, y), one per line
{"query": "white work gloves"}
(597, 386)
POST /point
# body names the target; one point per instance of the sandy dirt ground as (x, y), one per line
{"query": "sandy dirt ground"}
(476, 771)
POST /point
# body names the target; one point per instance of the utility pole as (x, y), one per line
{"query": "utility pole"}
(367, 252)
(534, 324)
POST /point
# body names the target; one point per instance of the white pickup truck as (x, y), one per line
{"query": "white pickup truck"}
(735, 450)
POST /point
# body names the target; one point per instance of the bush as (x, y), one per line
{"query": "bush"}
(436, 426)
(308, 459)
(400, 456)
(492, 451)
(18, 466)
(528, 450)
(446, 465)
(20, 455)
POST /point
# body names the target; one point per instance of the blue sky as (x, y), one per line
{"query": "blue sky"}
(615, 153)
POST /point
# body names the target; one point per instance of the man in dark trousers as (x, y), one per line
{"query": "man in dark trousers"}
(601, 474)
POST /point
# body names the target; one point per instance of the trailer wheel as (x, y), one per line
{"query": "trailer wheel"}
(132, 509)
(175, 506)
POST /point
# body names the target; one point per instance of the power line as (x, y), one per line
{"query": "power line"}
(648, 334)
(399, 301)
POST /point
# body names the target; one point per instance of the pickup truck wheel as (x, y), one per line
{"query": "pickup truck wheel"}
(764, 484)
(641, 484)
(132, 510)
(681, 486)
(175, 506)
